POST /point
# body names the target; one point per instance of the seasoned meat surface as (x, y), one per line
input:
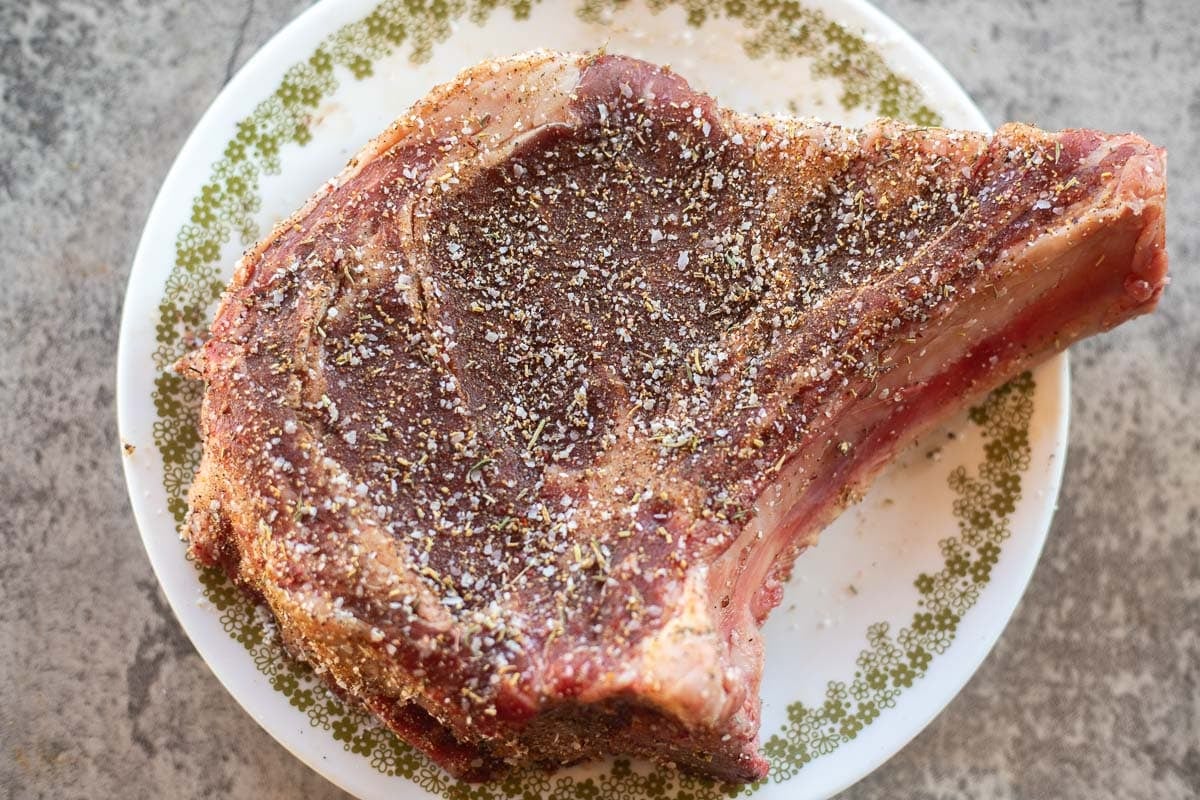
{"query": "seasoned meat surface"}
(519, 424)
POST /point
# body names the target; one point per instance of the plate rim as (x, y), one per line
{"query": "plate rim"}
(982, 648)
(917, 64)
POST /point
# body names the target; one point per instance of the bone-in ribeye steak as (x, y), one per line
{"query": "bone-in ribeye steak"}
(518, 425)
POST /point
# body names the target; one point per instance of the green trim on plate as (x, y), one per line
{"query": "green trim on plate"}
(226, 205)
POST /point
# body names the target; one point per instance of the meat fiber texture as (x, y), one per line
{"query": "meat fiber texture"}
(518, 425)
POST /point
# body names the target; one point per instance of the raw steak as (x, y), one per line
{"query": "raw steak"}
(518, 425)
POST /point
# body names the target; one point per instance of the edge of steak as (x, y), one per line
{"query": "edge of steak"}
(519, 424)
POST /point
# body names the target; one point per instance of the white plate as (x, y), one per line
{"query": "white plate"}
(882, 624)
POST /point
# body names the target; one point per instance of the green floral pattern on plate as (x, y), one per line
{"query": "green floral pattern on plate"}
(891, 664)
(789, 29)
(226, 205)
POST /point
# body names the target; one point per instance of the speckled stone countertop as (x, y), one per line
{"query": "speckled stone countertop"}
(1094, 690)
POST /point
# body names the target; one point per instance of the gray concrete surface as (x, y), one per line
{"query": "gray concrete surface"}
(1093, 692)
